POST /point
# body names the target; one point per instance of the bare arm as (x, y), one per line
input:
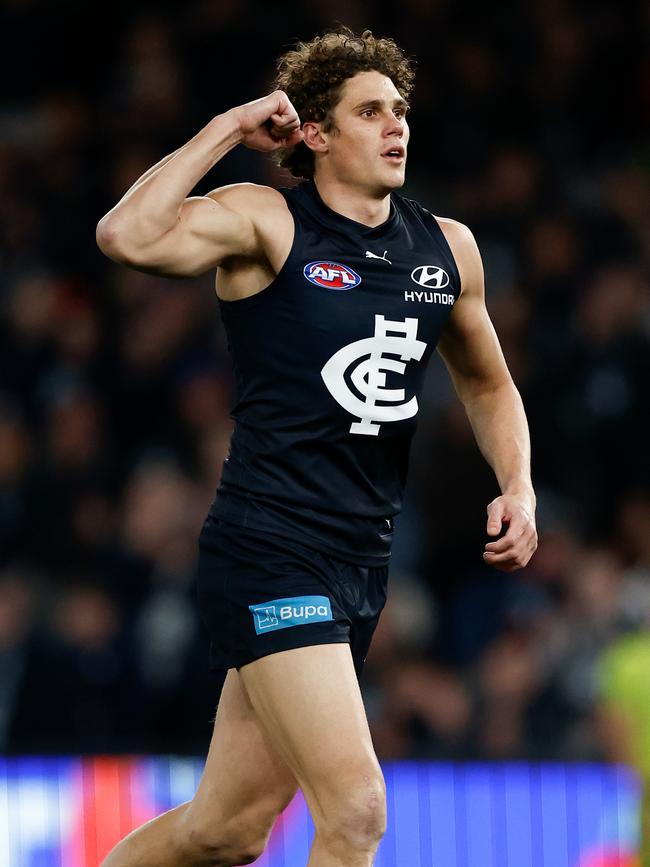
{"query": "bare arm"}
(473, 356)
(155, 226)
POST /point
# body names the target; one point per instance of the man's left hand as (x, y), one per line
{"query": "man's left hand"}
(517, 546)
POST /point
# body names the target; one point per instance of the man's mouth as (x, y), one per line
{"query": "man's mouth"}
(395, 154)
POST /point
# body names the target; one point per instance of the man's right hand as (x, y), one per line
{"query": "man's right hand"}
(270, 123)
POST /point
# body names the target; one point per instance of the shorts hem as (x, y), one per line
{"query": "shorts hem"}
(243, 659)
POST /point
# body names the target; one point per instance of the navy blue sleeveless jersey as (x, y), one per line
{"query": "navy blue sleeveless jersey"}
(329, 362)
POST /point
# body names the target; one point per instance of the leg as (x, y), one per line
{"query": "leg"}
(229, 820)
(309, 703)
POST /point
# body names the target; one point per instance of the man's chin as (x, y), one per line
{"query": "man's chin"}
(396, 177)
(395, 182)
(384, 183)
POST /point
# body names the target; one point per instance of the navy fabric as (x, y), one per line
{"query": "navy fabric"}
(242, 571)
(329, 362)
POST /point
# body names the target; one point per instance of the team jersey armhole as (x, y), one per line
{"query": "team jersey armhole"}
(258, 297)
(445, 244)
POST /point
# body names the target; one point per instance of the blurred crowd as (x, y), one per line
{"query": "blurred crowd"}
(529, 123)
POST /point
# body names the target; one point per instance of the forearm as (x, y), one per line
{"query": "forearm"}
(151, 206)
(151, 171)
(501, 430)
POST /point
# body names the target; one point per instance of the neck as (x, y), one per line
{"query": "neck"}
(355, 204)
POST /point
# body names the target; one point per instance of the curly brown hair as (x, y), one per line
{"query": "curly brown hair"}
(312, 75)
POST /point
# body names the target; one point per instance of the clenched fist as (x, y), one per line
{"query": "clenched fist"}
(517, 546)
(269, 123)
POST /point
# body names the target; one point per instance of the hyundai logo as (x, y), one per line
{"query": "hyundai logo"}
(430, 276)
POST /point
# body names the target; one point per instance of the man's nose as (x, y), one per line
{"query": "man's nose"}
(394, 127)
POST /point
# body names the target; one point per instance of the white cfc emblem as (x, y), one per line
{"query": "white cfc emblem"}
(369, 376)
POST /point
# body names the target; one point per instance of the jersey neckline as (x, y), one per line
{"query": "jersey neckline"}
(348, 224)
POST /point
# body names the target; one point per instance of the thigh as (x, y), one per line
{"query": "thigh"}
(309, 703)
(245, 781)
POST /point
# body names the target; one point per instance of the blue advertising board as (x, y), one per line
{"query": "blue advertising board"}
(69, 812)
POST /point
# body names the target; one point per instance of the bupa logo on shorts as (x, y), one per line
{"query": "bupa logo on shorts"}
(294, 611)
(430, 276)
(331, 275)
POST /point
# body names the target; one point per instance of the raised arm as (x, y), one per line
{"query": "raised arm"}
(156, 228)
(473, 356)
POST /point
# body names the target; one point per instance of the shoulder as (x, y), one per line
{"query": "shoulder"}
(248, 197)
(458, 235)
(264, 207)
(464, 248)
(458, 232)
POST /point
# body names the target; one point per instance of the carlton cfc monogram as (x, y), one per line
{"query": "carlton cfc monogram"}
(391, 337)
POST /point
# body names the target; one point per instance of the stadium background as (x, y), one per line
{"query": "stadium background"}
(530, 123)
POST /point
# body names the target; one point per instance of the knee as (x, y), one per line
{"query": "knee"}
(222, 839)
(223, 847)
(356, 820)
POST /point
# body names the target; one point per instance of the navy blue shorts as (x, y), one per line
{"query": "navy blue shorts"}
(260, 593)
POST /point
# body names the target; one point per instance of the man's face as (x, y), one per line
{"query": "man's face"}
(367, 147)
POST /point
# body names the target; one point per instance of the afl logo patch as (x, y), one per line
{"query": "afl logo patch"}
(430, 276)
(331, 275)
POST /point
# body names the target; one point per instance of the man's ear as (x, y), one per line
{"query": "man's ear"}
(314, 138)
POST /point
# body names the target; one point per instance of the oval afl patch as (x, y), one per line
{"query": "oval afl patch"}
(331, 275)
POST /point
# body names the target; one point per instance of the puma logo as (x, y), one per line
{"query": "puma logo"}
(370, 255)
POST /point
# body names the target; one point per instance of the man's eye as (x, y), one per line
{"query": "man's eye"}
(368, 112)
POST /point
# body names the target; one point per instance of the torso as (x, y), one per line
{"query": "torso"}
(330, 336)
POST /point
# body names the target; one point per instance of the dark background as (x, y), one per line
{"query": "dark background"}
(529, 122)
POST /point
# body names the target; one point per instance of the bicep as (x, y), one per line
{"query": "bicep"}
(205, 234)
(469, 345)
(470, 348)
